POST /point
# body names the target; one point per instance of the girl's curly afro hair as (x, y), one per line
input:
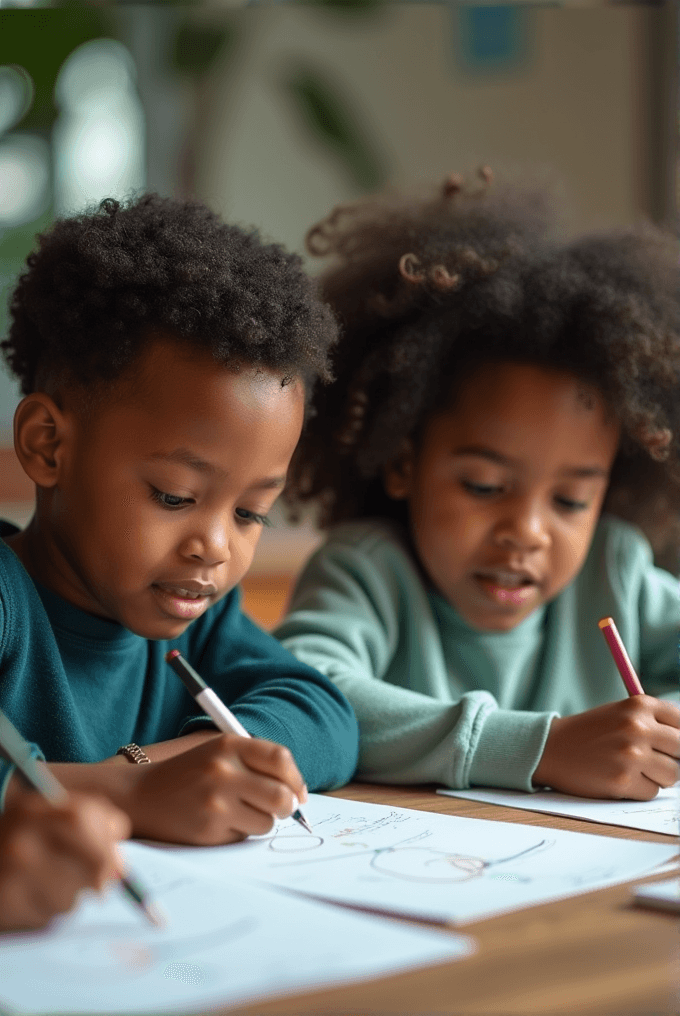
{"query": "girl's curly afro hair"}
(427, 289)
(100, 283)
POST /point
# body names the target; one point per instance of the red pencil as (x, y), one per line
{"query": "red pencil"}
(621, 657)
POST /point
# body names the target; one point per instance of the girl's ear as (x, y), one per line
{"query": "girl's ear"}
(398, 475)
(40, 434)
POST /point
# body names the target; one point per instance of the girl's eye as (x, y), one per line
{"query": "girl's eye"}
(481, 489)
(169, 500)
(249, 517)
(571, 506)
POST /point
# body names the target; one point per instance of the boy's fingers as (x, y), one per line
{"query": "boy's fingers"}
(272, 760)
(269, 795)
(249, 820)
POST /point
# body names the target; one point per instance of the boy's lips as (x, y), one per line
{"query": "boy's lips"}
(185, 600)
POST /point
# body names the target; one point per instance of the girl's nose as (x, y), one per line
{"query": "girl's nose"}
(523, 527)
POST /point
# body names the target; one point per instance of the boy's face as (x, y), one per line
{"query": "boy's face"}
(161, 491)
(505, 489)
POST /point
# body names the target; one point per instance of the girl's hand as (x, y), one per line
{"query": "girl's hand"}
(625, 749)
(49, 853)
(218, 792)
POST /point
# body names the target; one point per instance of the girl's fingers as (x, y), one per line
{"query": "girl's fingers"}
(644, 789)
(667, 713)
(666, 740)
(662, 769)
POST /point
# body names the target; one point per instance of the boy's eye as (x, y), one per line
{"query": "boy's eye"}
(169, 500)
(570, 505)
(481, 489)
(248, 517)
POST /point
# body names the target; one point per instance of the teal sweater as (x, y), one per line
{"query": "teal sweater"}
(439, 701)
(78, 687)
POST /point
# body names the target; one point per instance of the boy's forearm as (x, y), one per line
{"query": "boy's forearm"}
(115, 777)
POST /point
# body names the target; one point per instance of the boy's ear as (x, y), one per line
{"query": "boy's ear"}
(40, 430)
(398, 475)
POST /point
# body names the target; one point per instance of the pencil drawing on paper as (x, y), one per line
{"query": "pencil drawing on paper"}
(413, 860)
(111, 953)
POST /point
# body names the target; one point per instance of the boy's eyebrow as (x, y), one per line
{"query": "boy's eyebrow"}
(488, 453)
(186, 457)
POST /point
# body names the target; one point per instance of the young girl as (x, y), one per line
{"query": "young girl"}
(506, 405)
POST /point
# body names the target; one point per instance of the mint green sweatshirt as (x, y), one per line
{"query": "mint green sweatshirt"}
(439, 701)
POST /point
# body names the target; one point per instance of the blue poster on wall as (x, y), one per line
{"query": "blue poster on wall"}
(491, 39)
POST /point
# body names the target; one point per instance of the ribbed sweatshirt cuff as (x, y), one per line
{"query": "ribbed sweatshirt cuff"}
(509, 749)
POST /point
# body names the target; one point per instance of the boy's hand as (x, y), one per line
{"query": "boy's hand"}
(49, 853)
(218, 792)
(625, 749)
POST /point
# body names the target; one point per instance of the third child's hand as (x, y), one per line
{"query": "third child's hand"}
(48, 853)
(218, 792)
(626, 749)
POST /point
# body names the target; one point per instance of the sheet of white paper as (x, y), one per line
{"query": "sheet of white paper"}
(661, 815)
(225, 943)
(436, 867)
(661, 895)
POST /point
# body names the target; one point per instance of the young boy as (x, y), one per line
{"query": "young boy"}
(166, 360)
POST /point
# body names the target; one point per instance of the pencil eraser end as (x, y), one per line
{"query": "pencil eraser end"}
(171, 655)
(605, 622)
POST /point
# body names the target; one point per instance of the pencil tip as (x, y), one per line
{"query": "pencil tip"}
(303, 822)
(154, 916)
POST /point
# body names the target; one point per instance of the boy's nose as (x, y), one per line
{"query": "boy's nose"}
(211, 546)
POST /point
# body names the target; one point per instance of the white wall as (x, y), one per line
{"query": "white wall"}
(576, 108)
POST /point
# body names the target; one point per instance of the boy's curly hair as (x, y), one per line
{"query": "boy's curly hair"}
(100, 283)
(425, 290)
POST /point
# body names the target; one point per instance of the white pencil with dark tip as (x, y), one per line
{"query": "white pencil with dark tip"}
(207, 699)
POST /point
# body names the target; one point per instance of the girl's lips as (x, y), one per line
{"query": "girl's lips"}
(178, 606)
(514, 595)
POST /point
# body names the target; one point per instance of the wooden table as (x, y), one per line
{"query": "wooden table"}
(594, 953)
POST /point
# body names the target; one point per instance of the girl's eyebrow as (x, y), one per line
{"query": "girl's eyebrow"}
(503, 460)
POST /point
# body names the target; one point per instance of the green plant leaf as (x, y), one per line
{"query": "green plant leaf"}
(196, 45)
(350, 7)
(39, 40)
(333, 119)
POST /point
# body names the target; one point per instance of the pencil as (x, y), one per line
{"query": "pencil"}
(207, 699)
(621, 657)
(39, 777)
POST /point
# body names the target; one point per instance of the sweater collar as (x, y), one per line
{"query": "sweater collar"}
(66, 616)
(72, 619)
(529, 628)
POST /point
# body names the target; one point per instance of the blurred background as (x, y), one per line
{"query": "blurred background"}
(273, 112)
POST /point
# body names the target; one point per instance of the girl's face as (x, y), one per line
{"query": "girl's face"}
(505, 490)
